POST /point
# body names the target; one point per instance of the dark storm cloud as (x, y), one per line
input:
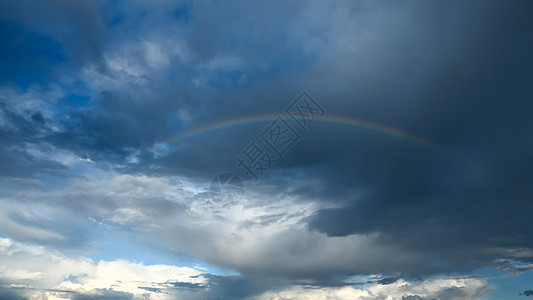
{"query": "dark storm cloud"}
(459, 74)
(78, 25)
(464, 83)
(187, 285)
(388, 280)
(239, 287)
(411, 297)
(10, 294)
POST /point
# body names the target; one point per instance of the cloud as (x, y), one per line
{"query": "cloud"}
(35, 269)
(78, 26)
(436, 288)
(410, 297)
(268, 232)
(262, 235)
(94, 98)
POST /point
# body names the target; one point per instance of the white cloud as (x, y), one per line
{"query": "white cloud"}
(34, 271)
(132, 63)
(33, 101)
(24, 221)
(264, 233)
(43, 271)
(435, 288)
(49, 152)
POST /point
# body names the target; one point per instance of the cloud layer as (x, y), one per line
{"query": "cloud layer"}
(114, 119)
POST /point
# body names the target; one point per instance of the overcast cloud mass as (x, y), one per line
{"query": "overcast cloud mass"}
(410, 180)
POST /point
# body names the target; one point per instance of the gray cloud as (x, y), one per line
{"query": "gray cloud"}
(7, 294)
(107, 294)
(410, 297)
(79, 26)
(458, 74)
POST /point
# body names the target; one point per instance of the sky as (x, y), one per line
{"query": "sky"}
(266, 150)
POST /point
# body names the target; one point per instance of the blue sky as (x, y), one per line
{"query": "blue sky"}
(376, 150)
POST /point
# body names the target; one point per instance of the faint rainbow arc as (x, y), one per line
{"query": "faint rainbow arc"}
(331, 119)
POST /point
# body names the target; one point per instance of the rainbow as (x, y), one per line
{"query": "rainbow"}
(331, 119)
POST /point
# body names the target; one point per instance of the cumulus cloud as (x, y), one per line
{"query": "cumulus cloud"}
(435, 288)
(32, 270)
